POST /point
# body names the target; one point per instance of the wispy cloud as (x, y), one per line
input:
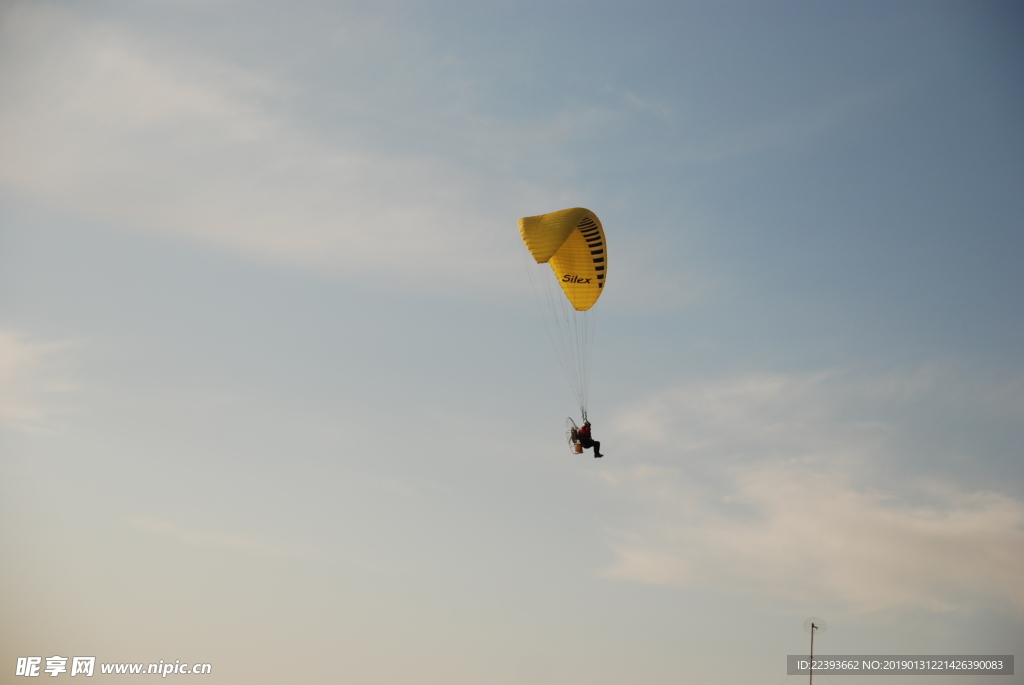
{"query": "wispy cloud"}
(810, 535)
(362, 561)
(206, 538)
(120, 126)
(24, 382)
(794, 508)
(764, 416)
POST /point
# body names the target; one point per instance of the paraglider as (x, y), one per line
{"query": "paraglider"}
(572, 243)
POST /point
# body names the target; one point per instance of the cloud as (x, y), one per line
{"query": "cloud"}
(362, 561)
(119, 126)
(787, 503)
(199, 538)
(764, 416)
(24, 382)
(812, 536)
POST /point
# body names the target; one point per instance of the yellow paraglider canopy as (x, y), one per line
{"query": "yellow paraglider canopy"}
(572, 242)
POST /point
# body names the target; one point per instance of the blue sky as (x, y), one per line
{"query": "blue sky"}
(274, 393)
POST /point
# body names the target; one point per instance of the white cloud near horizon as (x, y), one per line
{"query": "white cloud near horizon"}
(796, 512)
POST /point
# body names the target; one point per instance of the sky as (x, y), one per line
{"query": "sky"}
(275, 394)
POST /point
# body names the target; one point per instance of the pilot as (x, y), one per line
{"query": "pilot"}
(583, 434)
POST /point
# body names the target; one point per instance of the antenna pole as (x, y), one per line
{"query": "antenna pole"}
(811, 669)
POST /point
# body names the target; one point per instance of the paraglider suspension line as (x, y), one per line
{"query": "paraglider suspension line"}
(571, 332)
